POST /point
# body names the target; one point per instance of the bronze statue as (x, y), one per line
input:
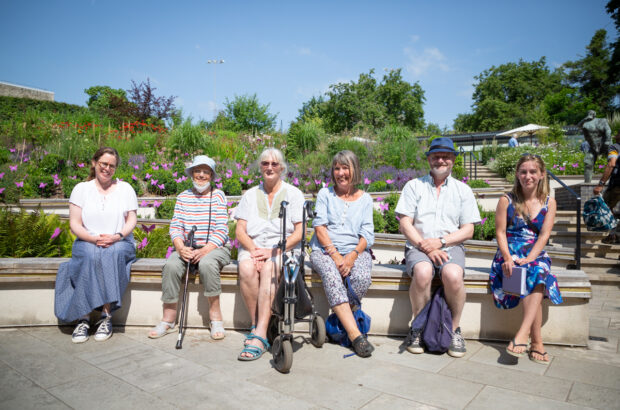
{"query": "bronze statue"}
(597, 133)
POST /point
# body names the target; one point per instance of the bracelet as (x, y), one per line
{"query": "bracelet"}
(119, 234)
(355, 250)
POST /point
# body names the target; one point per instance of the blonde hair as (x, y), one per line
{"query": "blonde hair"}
(349, 159)
(542, 191)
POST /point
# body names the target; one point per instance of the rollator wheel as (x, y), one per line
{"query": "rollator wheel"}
(282, 354)
(318, 331)
(272, 329)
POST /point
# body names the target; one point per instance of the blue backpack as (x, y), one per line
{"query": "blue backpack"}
(597, 215)
(436, 321)
(334, 329)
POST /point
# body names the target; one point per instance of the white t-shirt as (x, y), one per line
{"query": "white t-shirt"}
(263, 224)
(104, 213)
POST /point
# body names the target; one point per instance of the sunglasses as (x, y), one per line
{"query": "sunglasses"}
(267, 163)
(526, 154)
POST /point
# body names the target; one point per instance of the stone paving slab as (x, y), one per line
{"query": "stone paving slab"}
(40, 368)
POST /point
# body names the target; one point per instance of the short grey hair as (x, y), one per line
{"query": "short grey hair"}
(349, 159)
(277, 155)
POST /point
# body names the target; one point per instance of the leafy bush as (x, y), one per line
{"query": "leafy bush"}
(344, 143)
(52, 164)
(166, 209)
(378, 221)
(399, 148)
(67, 186)
(485, 230)
(33, 235)
(477, 183)
(187, 138)
(231, 186)
(303, 138)
(377, 186)
(391, 223)
(127, 177)
(153, 243)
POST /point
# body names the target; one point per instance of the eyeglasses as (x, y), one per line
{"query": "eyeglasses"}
(201, 171)
(267, 163)
(525, 154)
(105, 165)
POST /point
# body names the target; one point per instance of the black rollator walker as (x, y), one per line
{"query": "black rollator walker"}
(190, 266)
(293, 301)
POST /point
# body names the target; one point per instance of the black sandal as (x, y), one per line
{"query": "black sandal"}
(362, 346)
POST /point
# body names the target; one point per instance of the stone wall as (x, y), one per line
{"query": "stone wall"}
(13, 90)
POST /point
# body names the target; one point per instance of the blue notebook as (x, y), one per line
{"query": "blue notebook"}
(515, 284)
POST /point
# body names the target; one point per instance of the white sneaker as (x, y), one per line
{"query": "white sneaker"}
(80, 333)
(104, 331)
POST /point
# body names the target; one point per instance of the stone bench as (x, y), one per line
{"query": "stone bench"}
(27, 299)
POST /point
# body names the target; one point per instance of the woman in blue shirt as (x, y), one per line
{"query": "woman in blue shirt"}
(344, 232)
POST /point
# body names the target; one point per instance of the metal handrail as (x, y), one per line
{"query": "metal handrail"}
(472, 163)
(578, 214)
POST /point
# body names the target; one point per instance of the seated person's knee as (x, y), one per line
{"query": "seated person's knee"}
(422, 275)
(452, 276)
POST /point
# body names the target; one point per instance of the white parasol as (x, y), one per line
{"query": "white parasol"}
(529, 129)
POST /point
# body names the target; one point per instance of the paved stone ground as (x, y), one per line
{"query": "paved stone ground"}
(40, 368)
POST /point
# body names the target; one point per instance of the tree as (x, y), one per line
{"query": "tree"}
(147, 105)
(101, 96)
(613, 8)
(368, 103)
(591, 74)
(246, 113)
(509, 95)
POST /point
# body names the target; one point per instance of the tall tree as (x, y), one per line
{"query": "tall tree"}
(246, 113)
(591, 73)
(147, 105)
(613, 8)
(368, 103)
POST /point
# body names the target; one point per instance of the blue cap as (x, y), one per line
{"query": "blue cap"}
(201, 160)
(442, 144)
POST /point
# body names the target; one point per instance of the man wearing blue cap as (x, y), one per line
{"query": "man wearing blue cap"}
(437, 214)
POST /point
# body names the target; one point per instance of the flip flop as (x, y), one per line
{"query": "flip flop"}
(162, 329)
(532, 358)
(514, 344)
(217, 326)
(255, 351)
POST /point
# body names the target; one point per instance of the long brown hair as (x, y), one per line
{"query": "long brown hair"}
(542, 191)
(101, 152)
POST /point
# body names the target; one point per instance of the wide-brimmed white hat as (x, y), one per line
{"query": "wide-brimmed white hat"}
(201, 160)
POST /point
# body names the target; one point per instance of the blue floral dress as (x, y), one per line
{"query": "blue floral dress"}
(521, 238)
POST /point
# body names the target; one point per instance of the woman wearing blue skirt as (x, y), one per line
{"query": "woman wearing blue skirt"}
(102, 214)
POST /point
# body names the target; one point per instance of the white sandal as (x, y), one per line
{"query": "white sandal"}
(162, 329)
(217, 326)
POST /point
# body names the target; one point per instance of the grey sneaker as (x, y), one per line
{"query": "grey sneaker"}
(457, 347)
(414, 341)
(104, 331)
(80, 333)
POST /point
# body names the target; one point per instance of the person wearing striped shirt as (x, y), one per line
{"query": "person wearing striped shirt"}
(205, 208)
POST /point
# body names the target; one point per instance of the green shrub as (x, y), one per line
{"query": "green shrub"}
(127, 177)
(377, 186)
(163, 177)
(154, 244)
(344, 143)
(485, 231)
(477, 183)
(378, 221)
(5, 155)
(391, 223)
(303, 138)
(68, 184)
(166, 209)
(187, 138)
(399, 148)
(51, 164)
(231, 186)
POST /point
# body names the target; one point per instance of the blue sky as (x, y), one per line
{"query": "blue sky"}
(284, 51)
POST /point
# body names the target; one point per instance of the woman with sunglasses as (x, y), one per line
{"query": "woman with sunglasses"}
(204, 207)
(523, 223)
(102, 214)
(258, 232)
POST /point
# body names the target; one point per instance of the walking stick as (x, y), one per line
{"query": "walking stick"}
(189, 242)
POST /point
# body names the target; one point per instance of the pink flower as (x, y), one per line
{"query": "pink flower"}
(135, 178)
(186, 154)
(161, 186)
(234, 243)
(169, 252)
(483, 221)
(156, 204)
(241, 179)
(575, 165)
(57, 181)
(153, 182)
(13, 168)
(389, 181)
(244, 172)
(174, 174)
(486, 180)
(19, 184)
(305, 184)
(317, 182)
(238, 165)
(136, 167)
(80, 165)
(56, 232)
(73, 177)
(219, 186)
(250, 181)
(599, 167)
(1, 175)
(147, 176)
(379, 199)
(296, 182)
(147, 229)
(384, 207)
(12, 149)
(143, 244)
(366, 181)
(144, 204)
(155, 167)
(42, 185)
(1, 190)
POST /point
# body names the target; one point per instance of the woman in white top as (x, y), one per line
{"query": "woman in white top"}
(258, 231)
(102, 214)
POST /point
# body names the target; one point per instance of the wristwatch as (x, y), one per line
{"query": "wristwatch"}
(119, 234)
(443, 242)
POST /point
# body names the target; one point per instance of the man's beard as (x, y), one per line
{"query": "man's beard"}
(441, 174)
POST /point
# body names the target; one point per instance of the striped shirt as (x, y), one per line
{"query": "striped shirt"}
(193, 210)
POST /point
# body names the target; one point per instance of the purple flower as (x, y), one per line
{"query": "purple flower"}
(57, 181)
(153, 182)
(19, 184)
(13, 168)
(219, 186)
(599, 167)
(12, 149)
(73, 177)
(1, 190)
(174, 174)
(169, 252)
(155, 167)
(241, 179)
(483, 221)
(250, 181)
(147, 176)
(238, 165)
(135, 178)
(161, 186)
(366, 181)
(244, 172)
(234, 243)
(56, 232)
(144, 204)
(147, 229)
(389, 181)
(384, 207)
(42, 185)
(143, 244)
(136, 167)
(1, 175)
(296, 181)
(80, 165)
(156, 204)
(575, 165)
(379, 199)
